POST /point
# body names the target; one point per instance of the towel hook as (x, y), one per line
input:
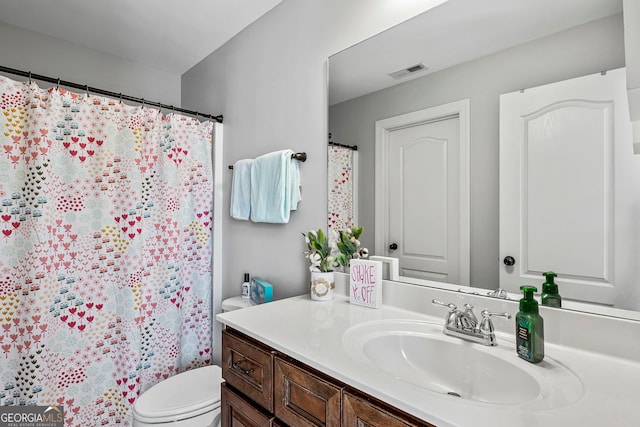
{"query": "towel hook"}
(86, 88)
(30, 81)
(58, 84)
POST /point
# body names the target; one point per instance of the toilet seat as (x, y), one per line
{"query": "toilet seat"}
(184, 395)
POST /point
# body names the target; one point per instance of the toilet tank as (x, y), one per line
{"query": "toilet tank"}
(236, 303)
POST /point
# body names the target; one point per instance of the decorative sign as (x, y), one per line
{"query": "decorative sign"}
(366, 283)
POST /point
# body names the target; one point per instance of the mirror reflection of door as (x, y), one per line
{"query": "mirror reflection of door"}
(568, 184)
(422, 174)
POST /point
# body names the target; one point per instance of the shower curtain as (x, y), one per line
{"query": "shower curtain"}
(341, 203)
(105, 250)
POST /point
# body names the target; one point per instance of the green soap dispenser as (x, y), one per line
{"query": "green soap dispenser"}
(529, 328)
(550, 295)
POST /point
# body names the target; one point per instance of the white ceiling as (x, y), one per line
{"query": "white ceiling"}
(172, 35)
(452, 33)
(175, 35)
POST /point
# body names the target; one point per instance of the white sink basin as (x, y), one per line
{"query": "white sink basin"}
(418, 353)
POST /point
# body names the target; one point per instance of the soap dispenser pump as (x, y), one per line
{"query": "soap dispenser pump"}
(550, 296)
(529, 328)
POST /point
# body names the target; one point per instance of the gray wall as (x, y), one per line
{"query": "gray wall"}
(41, 54)
(270, 83)
(583, 50)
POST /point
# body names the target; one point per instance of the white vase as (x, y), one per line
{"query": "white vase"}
(322, 285)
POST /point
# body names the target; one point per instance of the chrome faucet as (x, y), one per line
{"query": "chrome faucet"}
(464, 324)
(498, 293)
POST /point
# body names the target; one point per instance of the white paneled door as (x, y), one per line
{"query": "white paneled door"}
(425, 184)
(568, 183)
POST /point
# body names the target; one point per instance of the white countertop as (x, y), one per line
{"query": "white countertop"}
(311, 332)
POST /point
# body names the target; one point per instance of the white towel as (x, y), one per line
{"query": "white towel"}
(241, 189)
(275, 187)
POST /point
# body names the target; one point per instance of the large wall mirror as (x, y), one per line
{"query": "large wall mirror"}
(459, 58)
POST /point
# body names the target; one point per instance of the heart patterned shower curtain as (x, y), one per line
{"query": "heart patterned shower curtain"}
(341, 209)
(105, 250)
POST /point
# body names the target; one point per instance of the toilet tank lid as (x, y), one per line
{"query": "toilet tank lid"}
(236, 303)
(193, 392)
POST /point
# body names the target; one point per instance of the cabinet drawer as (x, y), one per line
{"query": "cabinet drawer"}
(248, 366)
(359, 412)
(304, 399)
(236, 411)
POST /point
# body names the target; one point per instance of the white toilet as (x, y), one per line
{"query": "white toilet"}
(189, 399)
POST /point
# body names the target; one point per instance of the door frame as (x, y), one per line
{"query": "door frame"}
(383, 128)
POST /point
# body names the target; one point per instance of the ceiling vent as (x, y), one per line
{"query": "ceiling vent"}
(408, 71)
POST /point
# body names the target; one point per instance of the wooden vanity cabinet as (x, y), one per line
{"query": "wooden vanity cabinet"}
(247, 365)
(304, 399)
(266, 388)
(358, 411)
(237, 411)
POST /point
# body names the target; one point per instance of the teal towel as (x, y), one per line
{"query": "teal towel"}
(241, 189)
(275, 187)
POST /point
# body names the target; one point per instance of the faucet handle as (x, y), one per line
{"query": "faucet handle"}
(486, 326)
(498, 293)
(450, 306)
(452, 316)
(486, 314)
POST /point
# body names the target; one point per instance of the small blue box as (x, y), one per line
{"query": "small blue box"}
(261, 290)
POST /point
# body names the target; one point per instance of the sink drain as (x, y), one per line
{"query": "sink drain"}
(453, 393)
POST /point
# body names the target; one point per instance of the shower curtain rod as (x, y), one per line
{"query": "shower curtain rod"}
(120, 96)
(353, 147)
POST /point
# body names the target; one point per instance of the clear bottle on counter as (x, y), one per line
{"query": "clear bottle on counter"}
(246, 287)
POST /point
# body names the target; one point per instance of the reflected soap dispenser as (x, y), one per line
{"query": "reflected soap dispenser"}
(529, 328)
(550, 296)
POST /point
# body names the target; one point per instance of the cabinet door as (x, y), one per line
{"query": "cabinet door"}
(358, 412)
(237, 412)
(304, 399)
(248, 366)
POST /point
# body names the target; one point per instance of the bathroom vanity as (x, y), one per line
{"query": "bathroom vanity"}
(300, 362)
(302, 396)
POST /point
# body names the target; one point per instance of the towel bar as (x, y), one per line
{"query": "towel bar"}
(301, 157)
